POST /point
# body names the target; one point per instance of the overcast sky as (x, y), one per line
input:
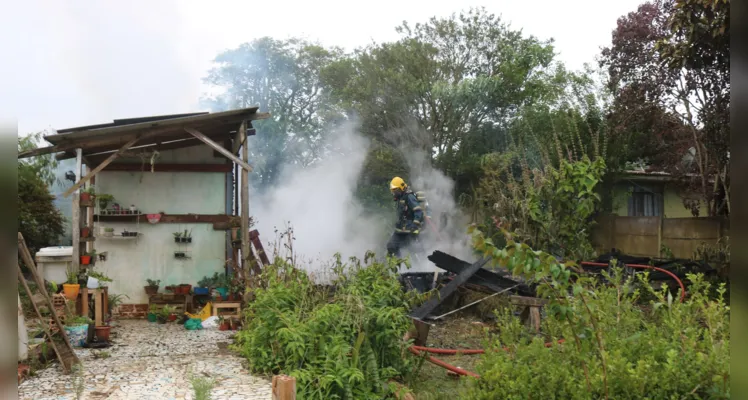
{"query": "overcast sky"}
(71, 63)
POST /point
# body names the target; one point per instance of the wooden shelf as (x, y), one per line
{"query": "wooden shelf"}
(121, 237)
(87, 239)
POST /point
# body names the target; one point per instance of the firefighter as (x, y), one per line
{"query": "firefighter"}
(410, 217)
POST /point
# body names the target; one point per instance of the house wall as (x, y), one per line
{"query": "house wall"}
(672, 202)
(130, 262)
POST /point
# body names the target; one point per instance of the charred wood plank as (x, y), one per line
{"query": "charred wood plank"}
(495, 281)
(429, 306)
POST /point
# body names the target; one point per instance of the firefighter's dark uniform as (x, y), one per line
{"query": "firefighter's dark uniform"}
(410, 220)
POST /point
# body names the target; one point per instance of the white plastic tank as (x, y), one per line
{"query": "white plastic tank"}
(53, 263)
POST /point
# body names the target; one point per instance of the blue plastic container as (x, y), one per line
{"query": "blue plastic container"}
(201, 290)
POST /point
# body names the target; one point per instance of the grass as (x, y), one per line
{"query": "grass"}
(458, 331)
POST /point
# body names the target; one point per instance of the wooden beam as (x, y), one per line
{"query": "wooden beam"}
(136, 167)
(172, 219)
(218, 147)
(246, 263)
(76, 217)
(40, 151)
(99, 167)
(245, 130)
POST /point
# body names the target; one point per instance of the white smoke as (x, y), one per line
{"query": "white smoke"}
(319, 203)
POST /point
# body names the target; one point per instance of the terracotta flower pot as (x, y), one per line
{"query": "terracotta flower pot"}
(85, 260)
(85, 232)
(149, 290)
(224, 326)
(71, 290)
(172, 317)
(102, 332)
(85, 197)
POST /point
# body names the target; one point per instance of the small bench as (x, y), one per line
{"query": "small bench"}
(230, 306)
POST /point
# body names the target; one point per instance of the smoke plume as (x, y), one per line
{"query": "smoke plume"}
(319, 203)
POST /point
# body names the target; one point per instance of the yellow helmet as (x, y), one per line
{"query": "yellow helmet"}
(398, 183)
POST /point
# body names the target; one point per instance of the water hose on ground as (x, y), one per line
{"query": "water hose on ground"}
(417, 349)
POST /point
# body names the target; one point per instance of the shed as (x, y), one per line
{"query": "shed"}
(184, 172)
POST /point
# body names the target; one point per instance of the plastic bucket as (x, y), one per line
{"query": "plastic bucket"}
(151, 317)
(77, 334)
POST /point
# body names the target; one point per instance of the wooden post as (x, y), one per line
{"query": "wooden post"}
(284, 387)
(84, 301)
(245, 200)
(659, 236)
(90, 217)
(98, 305)
(77, 212)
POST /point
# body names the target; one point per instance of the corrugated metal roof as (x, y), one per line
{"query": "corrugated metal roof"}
(84, 133)
(129, 121)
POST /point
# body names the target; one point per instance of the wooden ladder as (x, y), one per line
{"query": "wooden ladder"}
(62, 348)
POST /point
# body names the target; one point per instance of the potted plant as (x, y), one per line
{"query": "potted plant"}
(223, 324)
(96, 279)
(103, 200)
(89, 258)
(177, 237)
(76, 326)
(108, 232)
(203, 286)
(152, 313)
(222, 285)
(184, 288)
(87, 194)
(187, 236)
(152, 287)
(71, 287)
(235, 290)
(179, 254)
(102, 332)
(170, 288)
(85, 231)
(165, 314)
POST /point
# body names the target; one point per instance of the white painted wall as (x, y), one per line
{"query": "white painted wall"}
(130, 262)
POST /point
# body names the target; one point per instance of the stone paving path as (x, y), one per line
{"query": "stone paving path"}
(153, 361)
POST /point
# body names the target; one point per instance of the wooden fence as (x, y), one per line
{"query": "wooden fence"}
(645, 236)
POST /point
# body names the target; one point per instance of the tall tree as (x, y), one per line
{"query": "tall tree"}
(450, 87)
(669, 70)
(39, 220)
(282, 77)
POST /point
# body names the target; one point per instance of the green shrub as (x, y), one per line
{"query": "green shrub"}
(617, 345)
(345, 345)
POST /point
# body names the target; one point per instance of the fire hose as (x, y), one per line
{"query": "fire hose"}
(417, 349)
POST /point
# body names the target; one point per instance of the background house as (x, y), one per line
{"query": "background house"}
(639, 193)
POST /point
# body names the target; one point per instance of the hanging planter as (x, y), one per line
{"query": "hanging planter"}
(85, 260)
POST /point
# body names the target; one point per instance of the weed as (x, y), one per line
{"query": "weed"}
(201, 386)
(77, 380)
(101, 355)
